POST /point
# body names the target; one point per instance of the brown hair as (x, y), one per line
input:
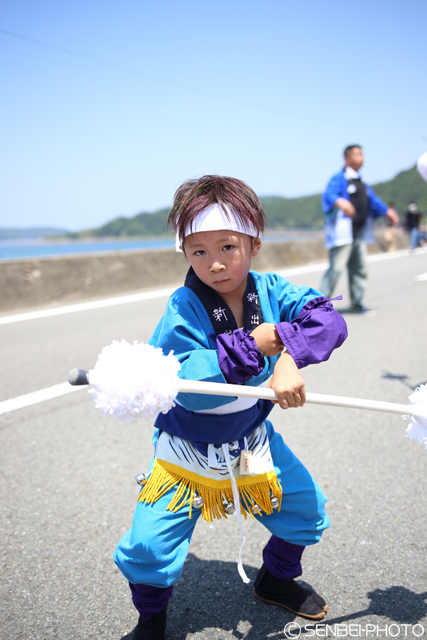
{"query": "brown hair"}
(197, 193)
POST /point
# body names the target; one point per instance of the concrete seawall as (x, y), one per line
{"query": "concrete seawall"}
(33, 283)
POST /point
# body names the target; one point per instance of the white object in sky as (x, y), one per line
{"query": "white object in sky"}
(422, 166)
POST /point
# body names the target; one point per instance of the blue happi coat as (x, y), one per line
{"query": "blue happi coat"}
(312, 327)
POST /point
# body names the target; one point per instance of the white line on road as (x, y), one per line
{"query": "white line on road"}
(87, 306)
(421, 277)
(296, 271)
(135, 297)
(37, 396)
(64, 388)
(165, 293)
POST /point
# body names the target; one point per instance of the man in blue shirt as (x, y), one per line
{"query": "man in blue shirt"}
(350, 206)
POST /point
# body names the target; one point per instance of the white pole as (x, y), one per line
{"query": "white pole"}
(243, 391)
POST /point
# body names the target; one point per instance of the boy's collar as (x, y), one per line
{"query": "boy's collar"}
(220, 314)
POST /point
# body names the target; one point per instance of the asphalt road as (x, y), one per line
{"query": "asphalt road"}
(67, 488)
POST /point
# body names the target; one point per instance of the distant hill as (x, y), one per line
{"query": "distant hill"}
(34, 233)
(407, 185)
(291, 213)
(306, 212)
(143, 224)
(282, 213)
(288, 213)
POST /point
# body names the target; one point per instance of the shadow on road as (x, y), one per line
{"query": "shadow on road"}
(397, 604)
(403, 379)
(211, 599)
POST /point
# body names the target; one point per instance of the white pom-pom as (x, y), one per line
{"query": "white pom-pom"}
(134, 380)
(417, 428)
(422, 166)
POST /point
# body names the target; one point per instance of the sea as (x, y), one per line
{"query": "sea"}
(21, 250)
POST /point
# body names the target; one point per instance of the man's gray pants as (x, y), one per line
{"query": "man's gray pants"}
(352, 256)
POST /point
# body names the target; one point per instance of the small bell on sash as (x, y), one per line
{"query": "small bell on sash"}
(229, 507)
(141, 479)
(255, 508)
(275, 503)
(198, 502)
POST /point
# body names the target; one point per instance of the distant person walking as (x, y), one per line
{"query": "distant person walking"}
(390, 233)
(411, 224)
(350, 206)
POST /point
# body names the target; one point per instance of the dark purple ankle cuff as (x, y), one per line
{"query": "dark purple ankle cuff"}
(283, 559)
(149, 600)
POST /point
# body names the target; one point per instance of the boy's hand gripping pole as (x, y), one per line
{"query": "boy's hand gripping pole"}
(134, 381)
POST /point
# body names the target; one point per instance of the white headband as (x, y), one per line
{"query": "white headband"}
(213, 218)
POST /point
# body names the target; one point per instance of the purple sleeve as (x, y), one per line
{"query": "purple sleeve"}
(238, 356)
(314, 334)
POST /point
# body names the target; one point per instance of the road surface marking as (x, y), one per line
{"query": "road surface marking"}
(135, 297)
(165, 293)
(87, 306)
(64, 388)
(37, 396)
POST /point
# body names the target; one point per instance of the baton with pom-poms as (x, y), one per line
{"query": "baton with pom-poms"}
(138, 381)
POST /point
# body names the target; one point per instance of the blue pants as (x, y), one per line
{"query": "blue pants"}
(154, 550)
(414, 237)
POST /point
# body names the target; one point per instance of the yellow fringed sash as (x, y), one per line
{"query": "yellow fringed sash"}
(252, 490)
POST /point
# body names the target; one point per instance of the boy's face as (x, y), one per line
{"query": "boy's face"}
(355, 159)
(222, 259)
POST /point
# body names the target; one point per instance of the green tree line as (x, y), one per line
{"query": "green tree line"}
(288, 213)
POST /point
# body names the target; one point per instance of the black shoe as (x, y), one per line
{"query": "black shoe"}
(289, 595)
(359, 309)
(152, 629)
(356, 308)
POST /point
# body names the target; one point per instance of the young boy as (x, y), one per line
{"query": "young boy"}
(216, 454)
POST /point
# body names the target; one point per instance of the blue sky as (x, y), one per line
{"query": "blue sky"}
(108, 106)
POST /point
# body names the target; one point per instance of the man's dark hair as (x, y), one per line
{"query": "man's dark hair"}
(197, 193)
(349, 150)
